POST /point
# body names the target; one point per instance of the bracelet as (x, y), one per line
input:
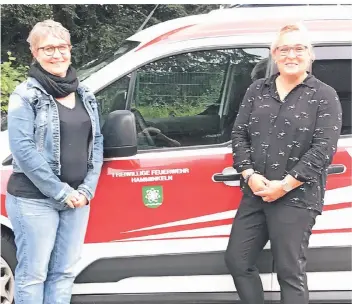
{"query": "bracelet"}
(246, 179)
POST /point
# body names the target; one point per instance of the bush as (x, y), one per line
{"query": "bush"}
(11, 76)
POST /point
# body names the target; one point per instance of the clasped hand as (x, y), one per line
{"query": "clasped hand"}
(76, 200)
(270, 191)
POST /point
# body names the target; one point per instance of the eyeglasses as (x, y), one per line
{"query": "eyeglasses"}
(299, 49)
(49, 50)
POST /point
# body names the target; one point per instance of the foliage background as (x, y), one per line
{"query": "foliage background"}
(95, 29)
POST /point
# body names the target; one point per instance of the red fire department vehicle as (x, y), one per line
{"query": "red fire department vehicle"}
(167, 195)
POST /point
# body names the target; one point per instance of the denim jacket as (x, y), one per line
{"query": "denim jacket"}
(34, 135)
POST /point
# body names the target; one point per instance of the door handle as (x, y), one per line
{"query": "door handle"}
(219, 177)
(336, 169)
(229, 176)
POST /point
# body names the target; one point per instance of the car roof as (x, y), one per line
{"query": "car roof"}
(245, 31)
(244, 20)
(241, 28)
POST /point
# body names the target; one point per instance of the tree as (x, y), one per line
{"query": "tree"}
(16, 23)
(95, 30)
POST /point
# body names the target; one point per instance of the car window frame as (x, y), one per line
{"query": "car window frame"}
(337, 44)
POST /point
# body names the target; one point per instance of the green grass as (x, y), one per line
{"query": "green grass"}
(178, 110)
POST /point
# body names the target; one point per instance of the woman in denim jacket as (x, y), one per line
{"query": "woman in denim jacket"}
(57, 153)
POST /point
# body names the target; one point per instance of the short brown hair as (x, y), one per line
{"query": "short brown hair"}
(44, 28)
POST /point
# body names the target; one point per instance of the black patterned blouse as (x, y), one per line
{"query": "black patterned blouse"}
(296, 136)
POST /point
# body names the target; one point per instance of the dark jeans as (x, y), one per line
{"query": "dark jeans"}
(288, 228)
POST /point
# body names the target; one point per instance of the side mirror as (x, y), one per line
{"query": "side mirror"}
(120, 135)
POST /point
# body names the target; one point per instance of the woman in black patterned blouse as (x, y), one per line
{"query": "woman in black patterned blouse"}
(284, 138)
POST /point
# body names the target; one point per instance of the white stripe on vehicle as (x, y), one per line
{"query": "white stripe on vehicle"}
(332, 219)
(338, 195)
(200, 219)
(317, 281)
(5, 221)
(349, 150)
(197, 283)
(345, 142)
(321, 281)
(164, 153)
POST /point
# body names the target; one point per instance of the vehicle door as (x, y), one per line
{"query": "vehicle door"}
(167, 211)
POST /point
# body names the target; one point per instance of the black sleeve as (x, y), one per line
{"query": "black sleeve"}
(240, 135)
(325, 137)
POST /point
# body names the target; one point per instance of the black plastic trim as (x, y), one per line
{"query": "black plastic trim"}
(205, 263)
(316, 297)
(110, 152)
(187, 264)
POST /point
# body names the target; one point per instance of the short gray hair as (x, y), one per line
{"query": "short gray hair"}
(292, 28)
(44, 28)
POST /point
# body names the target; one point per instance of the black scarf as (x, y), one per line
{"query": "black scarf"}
(56, 86)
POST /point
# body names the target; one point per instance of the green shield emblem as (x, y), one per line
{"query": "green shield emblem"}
(152, 196)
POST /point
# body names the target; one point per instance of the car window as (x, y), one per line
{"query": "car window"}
(333, 66)
(113, 97)
(192, 99)
(104, 59)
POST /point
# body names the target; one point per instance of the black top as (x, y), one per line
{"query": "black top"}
(75, 131)
(296, 136)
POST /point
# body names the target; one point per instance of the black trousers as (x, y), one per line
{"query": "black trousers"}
(288, 228)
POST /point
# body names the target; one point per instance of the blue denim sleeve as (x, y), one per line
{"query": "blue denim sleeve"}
(90, 182)
(21, 137)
